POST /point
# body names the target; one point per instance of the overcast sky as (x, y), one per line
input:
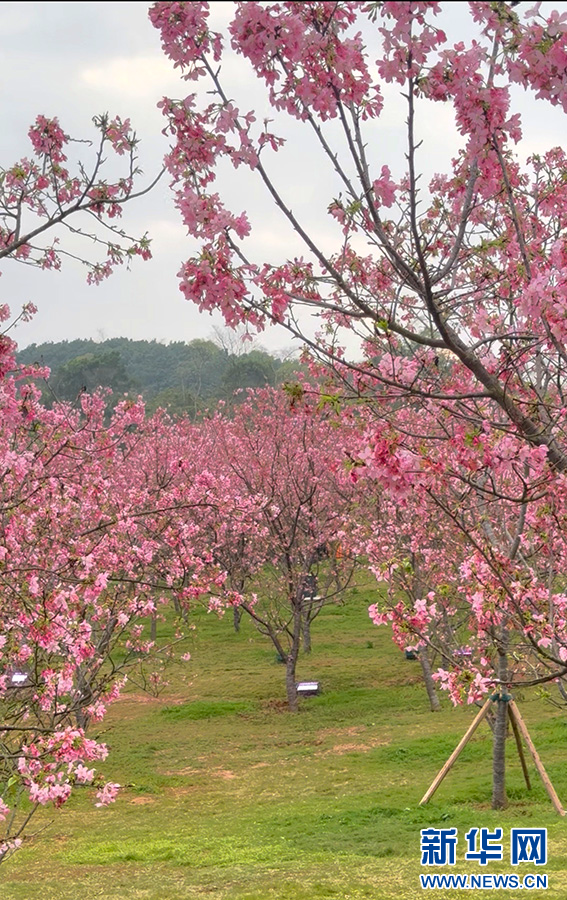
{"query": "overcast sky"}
(76, 60)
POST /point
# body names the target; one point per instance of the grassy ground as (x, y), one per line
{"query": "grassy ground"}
(230, 797)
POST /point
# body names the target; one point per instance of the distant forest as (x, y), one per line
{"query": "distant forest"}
(183, 378)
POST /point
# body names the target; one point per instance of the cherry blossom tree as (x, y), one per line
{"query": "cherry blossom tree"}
(454, 285)
(284, 501)
(91, 544)
(498, 569)
(68, 564)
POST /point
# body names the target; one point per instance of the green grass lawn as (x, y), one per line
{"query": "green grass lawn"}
(230, 796)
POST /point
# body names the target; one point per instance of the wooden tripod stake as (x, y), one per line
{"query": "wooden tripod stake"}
(519, 748)
(456, 753)
(515, 713)
(518, 725)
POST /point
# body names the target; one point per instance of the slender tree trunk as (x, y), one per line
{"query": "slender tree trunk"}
(499, 800)
(291, 661)
(239, 585)
(83, 697)
(434, 701)
(290, 685)
(423, 656)
(82, 719)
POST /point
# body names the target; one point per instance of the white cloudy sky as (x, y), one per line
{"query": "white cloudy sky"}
(76, 60)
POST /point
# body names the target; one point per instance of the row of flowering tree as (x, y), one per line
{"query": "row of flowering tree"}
(58, 618)
(286, 503)
(94, 535)
(105, 523)
(455, 287)
(94, 538)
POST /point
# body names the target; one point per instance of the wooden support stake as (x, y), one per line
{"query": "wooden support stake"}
(514, 725)
(456, 752)
(515, 712)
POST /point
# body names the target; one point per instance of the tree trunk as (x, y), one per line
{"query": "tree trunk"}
(422, 654)
(434, 701)
(291, 661)
(306, 635)
(83, 698)
(290, 685)
(499, 800)
(237, 615)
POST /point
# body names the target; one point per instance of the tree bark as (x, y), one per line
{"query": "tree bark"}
(291, 662)
(499, 799)
(434, 701)
(306, 635)
(236, 616)
(290, 685)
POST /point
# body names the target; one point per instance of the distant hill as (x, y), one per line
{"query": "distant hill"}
(184, 378)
